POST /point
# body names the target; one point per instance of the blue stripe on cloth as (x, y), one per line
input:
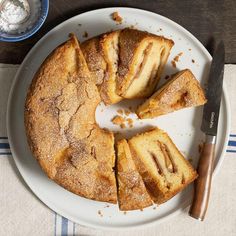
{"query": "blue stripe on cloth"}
(4, 145)
(234, 151)
(232, 135)
(64, 226)
(5, 153)
(231, 143)
(73, 229)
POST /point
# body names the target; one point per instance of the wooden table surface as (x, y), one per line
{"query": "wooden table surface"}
(207, 20)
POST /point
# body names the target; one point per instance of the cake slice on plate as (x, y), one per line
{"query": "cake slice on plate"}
(183, 90)
(132, 193)
(163, 168)
(126, 63)
(142, 57)
(102, 55)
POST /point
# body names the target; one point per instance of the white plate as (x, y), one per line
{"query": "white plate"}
(183, 126)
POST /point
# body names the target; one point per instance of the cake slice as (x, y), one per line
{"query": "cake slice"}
(101, 55)
(183, 90)
(126, 63)
(110, 46)
(132, 193)
(142, 57)
(163, 168)
(93, 55)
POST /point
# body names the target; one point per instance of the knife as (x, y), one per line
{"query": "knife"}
(209, 127)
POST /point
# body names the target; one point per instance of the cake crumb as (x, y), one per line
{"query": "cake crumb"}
(141, 209)
(167, 77)
(85, 35)
(193, 61)
(118, 120)
(100, 213)
(130, 122)
(116, 17)
(154, 208)
(190, 160)
(176, 58)
(173, 63)
(123, 126)
(127, 112)
(125, 212)
(189, 49)
(79, 24)
(120, 111)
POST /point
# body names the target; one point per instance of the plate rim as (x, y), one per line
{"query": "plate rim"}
(51, 205)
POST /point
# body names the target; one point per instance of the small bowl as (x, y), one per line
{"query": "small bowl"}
(7, 37)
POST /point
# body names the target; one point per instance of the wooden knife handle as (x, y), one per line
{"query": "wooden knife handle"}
(203, 182)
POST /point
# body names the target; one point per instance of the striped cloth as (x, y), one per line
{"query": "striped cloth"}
(21, 213)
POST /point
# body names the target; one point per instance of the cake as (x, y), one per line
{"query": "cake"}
(183, 90)
(61, 127)
(132, 193)
(92, 51)
(101, 54)
(68, 143)
(132, 62)
(142, 57)
(163, 168)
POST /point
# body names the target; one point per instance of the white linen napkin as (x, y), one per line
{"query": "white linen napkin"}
(21, 213)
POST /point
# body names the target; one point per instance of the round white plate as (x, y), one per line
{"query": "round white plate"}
(183, 126)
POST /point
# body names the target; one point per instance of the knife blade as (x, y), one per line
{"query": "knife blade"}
(209, 127)
(213, 93)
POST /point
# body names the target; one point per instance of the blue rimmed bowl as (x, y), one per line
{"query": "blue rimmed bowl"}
(15, 37)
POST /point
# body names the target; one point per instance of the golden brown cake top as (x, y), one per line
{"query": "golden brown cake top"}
(61, 127)
(92, 51)
(181, 91)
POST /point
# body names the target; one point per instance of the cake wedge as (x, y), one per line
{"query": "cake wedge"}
(132, 193)
(182, 91)
(163, 168)
(142, 57)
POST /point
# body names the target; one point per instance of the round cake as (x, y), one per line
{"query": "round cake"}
(61, 102)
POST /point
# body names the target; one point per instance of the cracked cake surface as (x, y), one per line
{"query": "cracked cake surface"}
(61, 127)
(68, 143)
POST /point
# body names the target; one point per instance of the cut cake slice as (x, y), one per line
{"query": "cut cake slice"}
(101, 54)
(183, 90)
(126, 63)
(163, 168)
(142, 57)
(132, 193)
